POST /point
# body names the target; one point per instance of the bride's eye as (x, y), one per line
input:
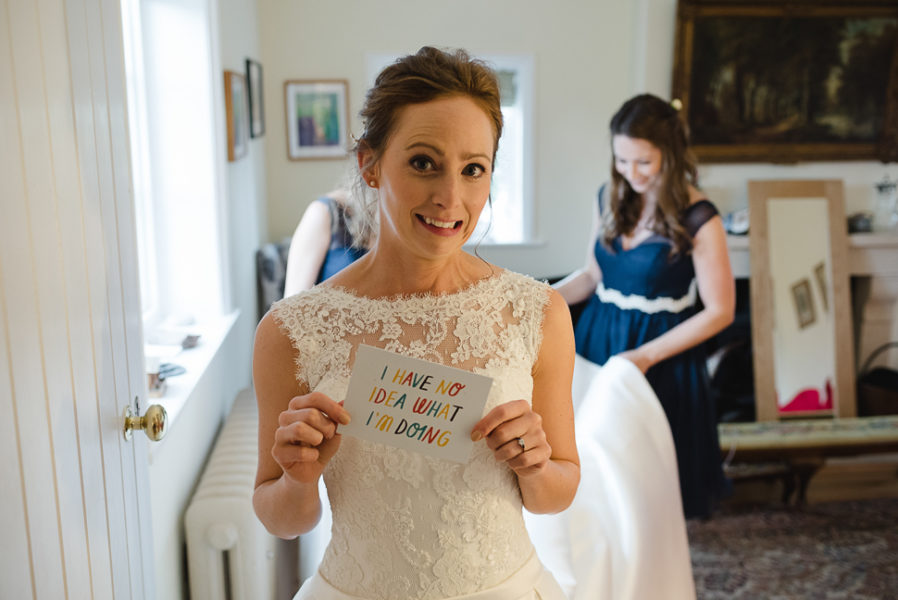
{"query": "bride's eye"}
(421, 163)
(474, 170)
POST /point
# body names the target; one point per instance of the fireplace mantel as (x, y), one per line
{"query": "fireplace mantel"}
(869, 254)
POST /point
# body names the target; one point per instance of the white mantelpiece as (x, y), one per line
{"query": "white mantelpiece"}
(873, 254)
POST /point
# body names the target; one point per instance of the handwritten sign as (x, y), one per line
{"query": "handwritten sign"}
(414, 404)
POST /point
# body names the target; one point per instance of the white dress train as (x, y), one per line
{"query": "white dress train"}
(624, 536)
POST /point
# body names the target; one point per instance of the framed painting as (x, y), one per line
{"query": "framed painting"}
(317, 118)
(254, 89)
(783, 82)
(804, 305)
(237, 117)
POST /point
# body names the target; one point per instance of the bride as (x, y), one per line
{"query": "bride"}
(405, 525)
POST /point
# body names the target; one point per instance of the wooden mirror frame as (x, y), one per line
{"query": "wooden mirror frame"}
(759, 192)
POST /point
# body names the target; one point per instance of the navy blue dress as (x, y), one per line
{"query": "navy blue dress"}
(643, 294)
(341, 253)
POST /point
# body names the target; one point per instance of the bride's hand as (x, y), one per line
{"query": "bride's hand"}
(515, 435)
(306, 437)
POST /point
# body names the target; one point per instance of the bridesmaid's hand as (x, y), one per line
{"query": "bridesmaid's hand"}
(636, 357)
(306, 437)
(515, 435)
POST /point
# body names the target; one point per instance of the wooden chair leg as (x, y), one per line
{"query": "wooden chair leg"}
(788, 486)
(805, 470)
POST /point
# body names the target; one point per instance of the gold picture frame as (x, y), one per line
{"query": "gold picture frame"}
(782, 82)
(236, 114)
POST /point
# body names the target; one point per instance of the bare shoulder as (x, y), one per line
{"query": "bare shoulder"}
(696, 195)
(272, 344)
(557, 319)
(557, 303)
(274, 367)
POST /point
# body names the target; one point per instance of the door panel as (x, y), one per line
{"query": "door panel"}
(70, 339)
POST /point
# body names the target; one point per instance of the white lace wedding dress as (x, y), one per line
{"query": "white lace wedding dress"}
(406, 526)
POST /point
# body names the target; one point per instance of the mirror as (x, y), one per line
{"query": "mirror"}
(800, 302)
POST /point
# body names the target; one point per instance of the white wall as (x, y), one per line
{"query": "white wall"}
(583, 67)
(589, 57)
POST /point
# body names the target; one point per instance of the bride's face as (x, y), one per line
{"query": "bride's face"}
(434, 175)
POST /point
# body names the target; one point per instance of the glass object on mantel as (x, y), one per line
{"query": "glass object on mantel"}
(885, 209)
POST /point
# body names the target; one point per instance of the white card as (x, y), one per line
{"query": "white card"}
(414, 404)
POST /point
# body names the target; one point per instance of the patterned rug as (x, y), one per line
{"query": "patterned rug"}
(837, 550)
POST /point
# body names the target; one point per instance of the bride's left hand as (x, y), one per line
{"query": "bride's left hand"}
(515, 435)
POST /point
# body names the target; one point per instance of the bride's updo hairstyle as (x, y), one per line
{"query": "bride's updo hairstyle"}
(427, 75)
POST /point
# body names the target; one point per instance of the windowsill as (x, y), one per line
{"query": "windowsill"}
(196, 360)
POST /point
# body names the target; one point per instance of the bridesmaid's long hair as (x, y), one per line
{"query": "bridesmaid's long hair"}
(650, 118)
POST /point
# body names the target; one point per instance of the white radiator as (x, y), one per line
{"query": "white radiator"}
(230, 555)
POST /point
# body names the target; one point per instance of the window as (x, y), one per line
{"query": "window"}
(174, 90)
(508, 219)
(172, 97)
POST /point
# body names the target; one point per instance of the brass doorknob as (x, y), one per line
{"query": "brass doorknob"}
(151, 423)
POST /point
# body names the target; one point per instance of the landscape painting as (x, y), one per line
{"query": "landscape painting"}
(771, 84)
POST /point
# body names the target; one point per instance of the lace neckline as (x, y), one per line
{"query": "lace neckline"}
(490, 280)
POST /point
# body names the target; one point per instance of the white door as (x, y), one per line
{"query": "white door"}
(74, 503)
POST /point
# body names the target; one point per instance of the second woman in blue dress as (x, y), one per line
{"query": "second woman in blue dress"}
(658, 283)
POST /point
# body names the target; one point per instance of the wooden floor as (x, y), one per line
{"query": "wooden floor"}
(857, 478)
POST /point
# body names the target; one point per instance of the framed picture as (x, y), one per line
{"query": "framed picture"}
(256, 107)
(237, 117)
(804, 303)
(775, 81)
(317, 118)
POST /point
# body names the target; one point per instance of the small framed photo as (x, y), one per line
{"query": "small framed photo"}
(317, 118)
(804, 303)
(256, 107)
(236, 109)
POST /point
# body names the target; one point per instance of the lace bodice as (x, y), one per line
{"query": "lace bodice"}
(406, 525)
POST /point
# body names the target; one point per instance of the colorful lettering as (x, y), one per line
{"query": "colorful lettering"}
(421, 405)
(434, 409)
(456, 388)
(384, 423)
